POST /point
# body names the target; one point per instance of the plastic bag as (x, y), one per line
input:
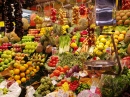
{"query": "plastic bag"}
(13, 91)
(30, 91)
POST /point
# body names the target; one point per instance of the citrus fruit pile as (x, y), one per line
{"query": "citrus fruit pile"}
(23, 72)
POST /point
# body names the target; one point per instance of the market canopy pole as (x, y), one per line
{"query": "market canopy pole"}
(105, 16)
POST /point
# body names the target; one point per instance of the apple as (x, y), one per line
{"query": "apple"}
(6, 61)
(1, 69)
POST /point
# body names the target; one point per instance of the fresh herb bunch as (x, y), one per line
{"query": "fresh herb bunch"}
(113, 86)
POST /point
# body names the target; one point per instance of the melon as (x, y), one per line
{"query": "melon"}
(128, 49)
(25, 23)
(127, 37)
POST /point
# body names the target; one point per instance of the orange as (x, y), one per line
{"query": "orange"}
(16, 77)
(25, 65)
(120, 38)
(29, 63)
(17, 65)
(16, 71)
(30, 68)
(23, 79)
(27, 71)
(22, 74)
(22, 68)
(18, 81)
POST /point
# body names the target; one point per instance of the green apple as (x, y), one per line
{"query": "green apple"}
(6, 61)
(2, 63)
(1, 69)
(5, 66)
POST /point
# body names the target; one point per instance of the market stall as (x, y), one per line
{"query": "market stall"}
(65, 48)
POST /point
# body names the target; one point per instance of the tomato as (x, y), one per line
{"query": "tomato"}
(59, 84)
(53, 58)
(53, 62)
(50, 64)
(53, 65)
(52, 75)
(66, 68)
(59, 68)
(62, 70)
(56, 72)
(62, 73)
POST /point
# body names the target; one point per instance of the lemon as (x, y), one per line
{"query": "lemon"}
(73, 45)
(116, 36)
(74, 37)
(99, 53)
(103, 40)
(123, 32)
(108, 43)
(101, 44)
(100, 47)
(117, 33)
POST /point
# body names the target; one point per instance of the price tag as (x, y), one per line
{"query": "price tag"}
(82, 74)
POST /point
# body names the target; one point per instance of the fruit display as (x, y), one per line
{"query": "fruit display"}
(27, 38)
(103, 44)
(22, 71)
(82, 9)
(38, 20)
(30, 47)
(45, 87)
(122, 17)
(125, 4)
(53, 61)
(56, 55)
(75, 18)
(62, 16)
(19, 56)
(53, 15)
(38, 59)
(5, 46)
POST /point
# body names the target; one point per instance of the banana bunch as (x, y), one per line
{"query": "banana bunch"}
(75, 15)
(62, 17)
(38, 20)
(64, 29)
(43, 30)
